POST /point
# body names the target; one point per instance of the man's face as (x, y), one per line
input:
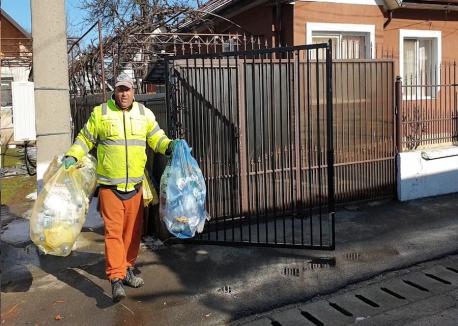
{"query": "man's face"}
(124, 96)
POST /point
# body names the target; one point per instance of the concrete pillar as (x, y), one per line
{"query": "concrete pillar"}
(50, 75)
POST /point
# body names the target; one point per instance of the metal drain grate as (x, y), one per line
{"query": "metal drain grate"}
(394, 294)
(367, 301)
(341, 309)
(415, 285)
(227, 289)
(320, 263)
(290, 271)
(452, 269)
(353, 256)
(312, 318)
(437, 278)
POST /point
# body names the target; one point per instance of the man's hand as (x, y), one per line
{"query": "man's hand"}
(68, 162)
(171, 147)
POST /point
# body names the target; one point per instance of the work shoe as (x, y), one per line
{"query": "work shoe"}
(117, 290)
(132, 280)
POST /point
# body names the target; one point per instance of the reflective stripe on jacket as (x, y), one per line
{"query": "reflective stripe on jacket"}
(121, 137)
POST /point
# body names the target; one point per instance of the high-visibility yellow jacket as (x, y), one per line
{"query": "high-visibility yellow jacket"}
(121, 137)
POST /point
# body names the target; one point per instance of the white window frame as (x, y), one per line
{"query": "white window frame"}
(333, 27)
(416, 34)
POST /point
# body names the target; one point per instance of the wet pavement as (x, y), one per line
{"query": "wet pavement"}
(423, 294)
(214, 285)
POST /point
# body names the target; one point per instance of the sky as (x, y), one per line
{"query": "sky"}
(19, 10)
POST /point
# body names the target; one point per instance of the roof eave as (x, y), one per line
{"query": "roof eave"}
(426, 6)
(393, 4)
(15, 24)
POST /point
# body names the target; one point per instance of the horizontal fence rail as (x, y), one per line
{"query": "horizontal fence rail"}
(259, 123)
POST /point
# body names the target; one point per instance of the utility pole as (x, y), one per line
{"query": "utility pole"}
(50, 75)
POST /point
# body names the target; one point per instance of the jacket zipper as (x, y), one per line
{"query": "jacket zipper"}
(125, 144)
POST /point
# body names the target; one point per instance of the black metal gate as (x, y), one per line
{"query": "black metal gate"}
(260, 126)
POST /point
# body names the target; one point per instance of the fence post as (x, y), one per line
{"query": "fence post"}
(243, 138)
(171, 117)
(330, 141)
(398, 100)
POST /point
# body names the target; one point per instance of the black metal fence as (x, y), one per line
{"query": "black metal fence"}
(238, 111)
(260, 125)
(364, 129)
(429, 107)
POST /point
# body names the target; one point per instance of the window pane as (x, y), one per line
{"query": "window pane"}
(345, 45)
(6, 91)
(353, 47)
(410, 61)
(420, 59)
(426, 59)
(325, 39)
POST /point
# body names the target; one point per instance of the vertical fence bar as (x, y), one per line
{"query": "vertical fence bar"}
(273, 144)
(200, 78)
(247, 147)
(231, 157)
(169, 95)
(213, 158)
(264, 110)
(240, 107)
(255, 144)
(282, 158)
(310, 162)
(222, 123)
(330, 141)
(398, 111)
(455, 104)
(318, 146)
(290, 132)
(297, 142)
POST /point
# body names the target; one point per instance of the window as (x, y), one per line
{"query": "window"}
(420, 62)
(349, 41)
(6, 91)
(229, 44)
(345, 45)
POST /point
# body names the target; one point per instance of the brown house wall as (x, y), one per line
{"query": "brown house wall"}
(335, 13)
(11, 37)
(433, 20)
(260, 21)
(9, 30)
(256, 21)
(386, 39)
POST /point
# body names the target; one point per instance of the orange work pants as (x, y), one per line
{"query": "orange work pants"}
(123, 226)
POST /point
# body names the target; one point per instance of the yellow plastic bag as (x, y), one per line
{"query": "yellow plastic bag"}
(60, 235)
(150, 196)
(60, 209)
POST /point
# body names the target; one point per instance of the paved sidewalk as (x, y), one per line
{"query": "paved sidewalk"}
(214, 285)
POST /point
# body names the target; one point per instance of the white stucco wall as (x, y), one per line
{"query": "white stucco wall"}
(427, 173)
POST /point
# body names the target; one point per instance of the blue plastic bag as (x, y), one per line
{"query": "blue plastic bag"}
(182, 194)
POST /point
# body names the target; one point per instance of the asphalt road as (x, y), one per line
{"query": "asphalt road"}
(425, 294)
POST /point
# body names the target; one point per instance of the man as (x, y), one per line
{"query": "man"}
(120, 128)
